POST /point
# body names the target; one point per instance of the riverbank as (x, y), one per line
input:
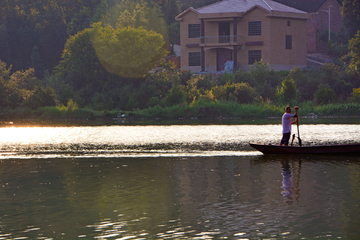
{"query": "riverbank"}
(199, 111)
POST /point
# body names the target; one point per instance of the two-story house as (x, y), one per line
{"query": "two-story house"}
(242, 32)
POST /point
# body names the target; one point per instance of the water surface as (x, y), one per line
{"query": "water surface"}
(234, 197)
(175, 182)
(173, 140)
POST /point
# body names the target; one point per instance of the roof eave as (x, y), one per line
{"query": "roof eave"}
(279, 14)
(180, 16)
(221, 15)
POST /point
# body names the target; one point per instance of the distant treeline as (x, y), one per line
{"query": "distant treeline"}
(168, 88)
(33, 33)
(97, 55)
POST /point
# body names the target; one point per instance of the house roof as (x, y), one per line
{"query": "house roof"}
(309, 6)
(242, 6)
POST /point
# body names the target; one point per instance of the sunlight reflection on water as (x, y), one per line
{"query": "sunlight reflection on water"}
(158, 140)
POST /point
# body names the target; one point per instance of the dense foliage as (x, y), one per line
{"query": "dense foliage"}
(98, 55)
(351, 11)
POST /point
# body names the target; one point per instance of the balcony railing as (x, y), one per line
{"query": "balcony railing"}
(221, 40)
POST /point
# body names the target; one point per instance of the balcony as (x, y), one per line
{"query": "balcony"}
(228, 40)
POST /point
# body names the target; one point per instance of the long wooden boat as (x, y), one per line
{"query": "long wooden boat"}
(320, 149)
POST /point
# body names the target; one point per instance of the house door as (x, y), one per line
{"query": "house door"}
(223, 55)
(224, 32)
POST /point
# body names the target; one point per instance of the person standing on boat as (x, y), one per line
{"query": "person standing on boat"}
(286, 124)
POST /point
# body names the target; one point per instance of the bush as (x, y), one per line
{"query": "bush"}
(288, 92)
(98, 102)
(244, 93)
(41, 98)
(355, 95)
(175, 96)
(324, 95)
(225, 78)
(201, 82)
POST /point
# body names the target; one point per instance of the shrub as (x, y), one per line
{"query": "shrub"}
(244, 93)
(98, 102)
(324, 95)
(219, 93)
(154, 101)
(131, 104)
(41, 98)
(225, 78)
(355, 95)
(288, 92)
(175, 96)
(184, 76)
(201, 82)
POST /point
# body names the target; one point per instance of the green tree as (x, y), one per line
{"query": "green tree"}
(80, 21)
(307, 82)
(350, 10)
(25, 79)
(38, 22)
(4, 80)
(4, 44)
(80, 65)
(41, 97)
(264, 79)
(175, 96)
(174, 35)
(171, 10)
(128, 52)
(354, 47)
(36, 62)
(244, 93)
(324, 95)
(333, 76)
(135, 14)
(355, 95)
(288, 92)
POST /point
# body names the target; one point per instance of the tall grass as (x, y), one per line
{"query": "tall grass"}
(200, 109)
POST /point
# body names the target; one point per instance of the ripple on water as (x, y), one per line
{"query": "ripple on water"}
(158, 140)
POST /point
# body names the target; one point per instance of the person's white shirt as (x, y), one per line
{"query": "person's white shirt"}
(286, 122)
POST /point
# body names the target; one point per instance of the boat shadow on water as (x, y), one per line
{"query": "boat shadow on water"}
(350, 158)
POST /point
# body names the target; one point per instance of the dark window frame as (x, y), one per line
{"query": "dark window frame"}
(288, 23)
(194, 30)
(194, 59)
(288, 42)
(254, 56)
(254, 28)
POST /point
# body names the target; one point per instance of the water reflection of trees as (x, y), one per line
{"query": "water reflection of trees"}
(351, 215)
(222, 195)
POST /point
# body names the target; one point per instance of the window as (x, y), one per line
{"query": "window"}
(288, 23)
(288, 43)
(254, 56)
(194, 30)
(254, 28)
(194, 58)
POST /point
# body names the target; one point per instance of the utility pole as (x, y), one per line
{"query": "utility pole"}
(328, 11)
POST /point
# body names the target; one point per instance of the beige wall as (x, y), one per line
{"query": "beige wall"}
(254, 15)
(278, 53)
(190, 18)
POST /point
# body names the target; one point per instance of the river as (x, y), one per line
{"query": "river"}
(175, 182)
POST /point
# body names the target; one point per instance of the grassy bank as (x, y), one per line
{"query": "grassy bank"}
(200, 110)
